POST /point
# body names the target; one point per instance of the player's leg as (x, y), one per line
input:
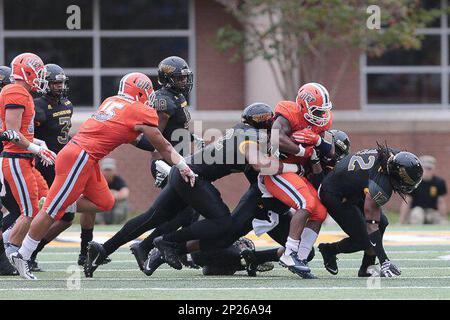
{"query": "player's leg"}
(6, 269)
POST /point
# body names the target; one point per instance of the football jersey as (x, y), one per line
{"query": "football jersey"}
(176, 107)
(358, 174)
(53, 121)
(15, 96)
(112, 125)
(226, 155)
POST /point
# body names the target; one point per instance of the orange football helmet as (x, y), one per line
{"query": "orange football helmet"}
(314, 101)
(30, 68)
(138, 87)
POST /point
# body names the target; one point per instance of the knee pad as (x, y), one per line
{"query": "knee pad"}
(68, 217)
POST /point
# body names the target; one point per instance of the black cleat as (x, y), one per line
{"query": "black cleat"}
(169, 252)
(329, 259)
(81, 259)
(153, 262)
(265, 266)
(34, 266)
(6, 269)
(311, 255)
(95, 257)
(139, 254)
(251, 264)
(188, 262)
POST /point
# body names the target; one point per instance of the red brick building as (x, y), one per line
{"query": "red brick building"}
(401, 98)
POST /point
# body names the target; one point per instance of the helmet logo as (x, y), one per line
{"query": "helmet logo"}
(262, 117)
(405, 177)
(2, 77)
(143, 84)
(307, 96)
(167, 68)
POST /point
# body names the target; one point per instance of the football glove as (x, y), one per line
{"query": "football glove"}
(389, 270)
(159, 179)
(47, 156)
(307, 137)
(10, 135)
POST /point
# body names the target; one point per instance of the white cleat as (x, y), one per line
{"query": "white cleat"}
(22, 266)
(293, 263)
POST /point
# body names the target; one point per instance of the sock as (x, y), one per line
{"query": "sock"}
(348, 245)
(367, 261)
(114, 243)
(375, 238)
(10, 249)
(147, 243)
(266, 255)
(308, 239)
(291, 246)
(28, 247)
(86, 236)
(39, 248)
(181, 235)
(6, 234)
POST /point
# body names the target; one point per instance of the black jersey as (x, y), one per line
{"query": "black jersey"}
(175, 106)
(358, 174)
(226, 155)
(53, 121)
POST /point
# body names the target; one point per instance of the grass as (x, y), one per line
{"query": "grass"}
(425, 275)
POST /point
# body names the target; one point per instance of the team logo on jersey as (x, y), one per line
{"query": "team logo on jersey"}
(433, 191)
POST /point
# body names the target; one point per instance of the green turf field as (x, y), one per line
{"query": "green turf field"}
(425, 275)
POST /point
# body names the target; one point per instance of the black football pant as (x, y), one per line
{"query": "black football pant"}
(350, 218)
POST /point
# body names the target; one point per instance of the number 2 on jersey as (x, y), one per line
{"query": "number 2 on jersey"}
(360, 161)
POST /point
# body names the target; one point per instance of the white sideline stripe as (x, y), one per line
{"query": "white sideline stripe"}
(212, 278)
(222, 289)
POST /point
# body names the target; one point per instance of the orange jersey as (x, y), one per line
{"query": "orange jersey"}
(297, 121)
(16, 96)
(113, 124)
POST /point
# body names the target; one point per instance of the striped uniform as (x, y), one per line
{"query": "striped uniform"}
(294, 191)
(77, 169)
(18, 175)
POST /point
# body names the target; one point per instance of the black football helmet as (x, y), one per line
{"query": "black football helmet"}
(175, 74)
(5, 73)
(405, 172)
(56, 74)
(341, 144)
(258, 115)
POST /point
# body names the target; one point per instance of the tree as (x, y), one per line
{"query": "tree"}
(296, 36)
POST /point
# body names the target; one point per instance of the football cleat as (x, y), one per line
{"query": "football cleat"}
(95, 257)
(153, 262)
(329, 260)
(186, 261)
(139, 254)
(6, 269)
(22, 266)
(294, 264)
(264, 267)
(169, 252)
(251, 265)
(81, 259)
(389, 270)
(34, 266)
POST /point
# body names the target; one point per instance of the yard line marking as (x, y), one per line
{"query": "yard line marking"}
(221, 289)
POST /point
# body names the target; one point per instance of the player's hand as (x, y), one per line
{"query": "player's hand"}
(10, 135)
(305, 152)
(198, 141)
(389, 270)
(160, 178)
(307, 137)
(188, 175)
(47, 156)
(314, 157)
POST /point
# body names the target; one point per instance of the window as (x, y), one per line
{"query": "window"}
(411, 78)
(116, 37)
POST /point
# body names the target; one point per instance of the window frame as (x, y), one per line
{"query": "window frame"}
(443, 69)
(96, 33)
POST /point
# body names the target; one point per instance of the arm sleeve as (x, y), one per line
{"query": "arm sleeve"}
(144, 144)
(379, 191)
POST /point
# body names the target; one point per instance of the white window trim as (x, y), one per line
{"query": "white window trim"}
(443, 69)
(96, 34)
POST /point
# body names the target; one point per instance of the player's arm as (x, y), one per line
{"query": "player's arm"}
(405, 207)
(442, 206)
(13, 121)
(280, 137)
(155, 137)
(163, 120)
(263, 163)
(142, 143)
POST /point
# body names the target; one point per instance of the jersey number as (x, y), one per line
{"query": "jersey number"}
(65, 122)
(107, 110)
(362, 165)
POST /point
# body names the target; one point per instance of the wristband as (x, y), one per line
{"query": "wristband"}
(319, 142)
(34, 148)
(289, 167)
(301, 152)
(182, 165)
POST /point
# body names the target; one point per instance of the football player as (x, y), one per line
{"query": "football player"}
(52, 124)
(5, 267)
(19, 184)
(297, 133)
(241, 149)
(171, 104)
(119, 119)
(354, 192)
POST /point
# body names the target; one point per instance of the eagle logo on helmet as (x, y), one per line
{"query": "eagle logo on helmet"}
(167, 68)
(405, 177)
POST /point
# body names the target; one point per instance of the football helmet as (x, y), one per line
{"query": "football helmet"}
(405, 172)
(29, 67)
(258, 115)
(341, 143)
(138, 87)
(5, 74)
(56, 75)
(174, 73)
(314, 102)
